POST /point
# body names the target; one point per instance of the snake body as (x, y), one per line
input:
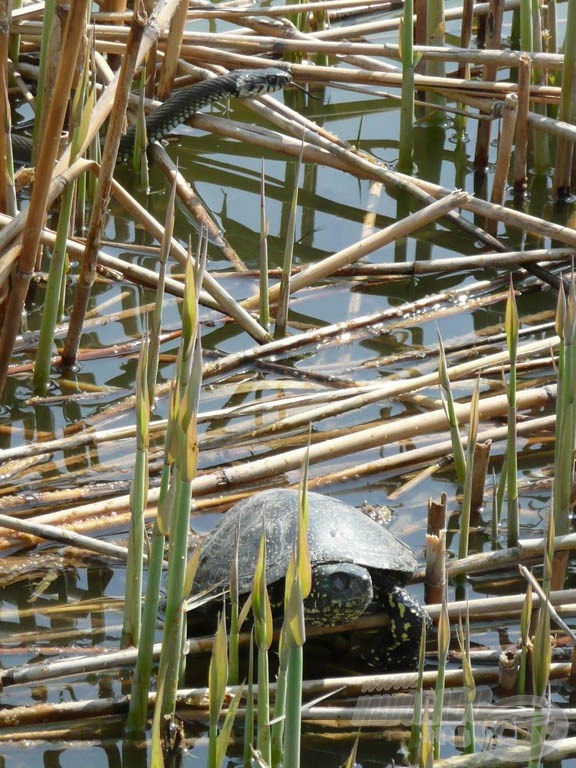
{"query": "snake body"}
(184, 102)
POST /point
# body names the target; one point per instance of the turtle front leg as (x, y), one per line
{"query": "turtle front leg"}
(397, 646)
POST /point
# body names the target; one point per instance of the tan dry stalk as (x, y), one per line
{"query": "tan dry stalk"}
(493, 34)
(275, 466)
(7, 192)
(349, 255)
(527, 550)
(310, 43)
(163, 12)
(40, 192)
(521, 137)
(234, 14)
(418, 456)
(551, 126)
(52, 533)
(173, 43)
(555, 753)
(511, 260)
(456, 88)
(505, 145)
(99, 212)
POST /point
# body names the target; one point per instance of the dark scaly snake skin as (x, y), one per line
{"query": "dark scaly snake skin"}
(184, 102)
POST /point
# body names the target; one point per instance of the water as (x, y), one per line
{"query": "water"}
(332, 205)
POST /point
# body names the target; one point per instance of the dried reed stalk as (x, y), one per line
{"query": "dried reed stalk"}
(349, 255)
(99, 210)
(505, 145)
(173, 44)
(275, 466)
(40, 193)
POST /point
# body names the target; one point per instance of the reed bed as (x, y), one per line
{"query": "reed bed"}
(236, 386)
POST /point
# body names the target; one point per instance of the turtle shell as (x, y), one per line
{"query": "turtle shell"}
(337, 533)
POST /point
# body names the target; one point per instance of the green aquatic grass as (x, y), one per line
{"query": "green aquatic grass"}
(298, 586)
(525, 619)
(439, 690)
(542, 657)
(183, 452)
(217, 682)
(468, 688)
(138, 708)
(138, 497)
(249, 713)
(263, 255)
(284, 296)
(416, 743)
(233, 640)
(48, 29)
(466, 509)
(565, 410)
(406, 136)
(262, 613)
(511, 324)
(449, 406)
(82, 104)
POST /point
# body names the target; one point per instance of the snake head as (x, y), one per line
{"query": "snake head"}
(256, 82)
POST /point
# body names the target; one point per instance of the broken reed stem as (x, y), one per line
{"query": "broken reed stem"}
(170, 61)
(521, 136)
(505, 146)
(493, 33)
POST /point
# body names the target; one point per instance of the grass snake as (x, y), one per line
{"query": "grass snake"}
(183, 103)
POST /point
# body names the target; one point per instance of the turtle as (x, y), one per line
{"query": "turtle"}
(358, 566)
